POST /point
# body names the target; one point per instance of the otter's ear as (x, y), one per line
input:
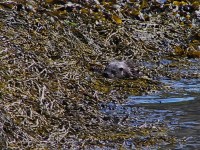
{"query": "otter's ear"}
(121, 69)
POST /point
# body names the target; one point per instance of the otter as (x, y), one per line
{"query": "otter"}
(121, 69)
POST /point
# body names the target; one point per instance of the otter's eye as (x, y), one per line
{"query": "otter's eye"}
(121, 69)
(113, 71)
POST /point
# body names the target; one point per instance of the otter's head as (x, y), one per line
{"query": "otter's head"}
(117, 69)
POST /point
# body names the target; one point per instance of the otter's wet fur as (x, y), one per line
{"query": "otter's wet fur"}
(121, 69)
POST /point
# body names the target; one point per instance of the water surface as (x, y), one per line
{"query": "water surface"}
(178, 107)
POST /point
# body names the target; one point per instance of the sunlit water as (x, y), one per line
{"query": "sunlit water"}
(181, 91)
(178, 107)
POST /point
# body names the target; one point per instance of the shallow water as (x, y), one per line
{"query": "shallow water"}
(177, 107)
(181, 91)
(180, 107)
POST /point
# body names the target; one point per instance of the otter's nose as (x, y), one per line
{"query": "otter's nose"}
(105, 74)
